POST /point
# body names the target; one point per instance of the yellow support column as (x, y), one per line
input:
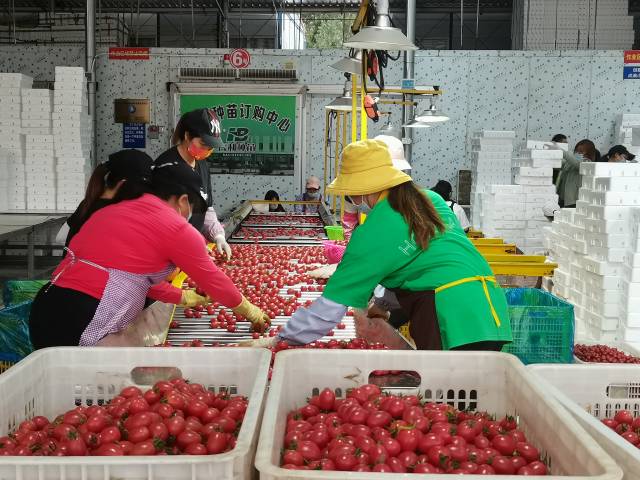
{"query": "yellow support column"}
(326, 157)
(363, 93)
(354, 108)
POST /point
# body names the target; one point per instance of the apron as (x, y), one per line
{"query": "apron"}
(424, 327)
(122, 300)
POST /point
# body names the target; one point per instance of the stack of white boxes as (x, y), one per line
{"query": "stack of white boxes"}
(492, 151)
(515, 212)
(533, 171)
(12, 147)
(627, 130)
(41, 172)
(572, 24)
(72, 136)
(595, 246)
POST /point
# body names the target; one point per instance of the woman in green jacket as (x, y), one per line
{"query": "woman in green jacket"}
(412, 244)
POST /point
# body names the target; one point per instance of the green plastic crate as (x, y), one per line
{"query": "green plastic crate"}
(15, 343)
(542, 325)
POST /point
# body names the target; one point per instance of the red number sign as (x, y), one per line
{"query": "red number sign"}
(239, 58)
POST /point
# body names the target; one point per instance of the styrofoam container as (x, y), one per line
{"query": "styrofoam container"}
(602, 282)
(539, 189)
(592, 392)
(618, 184)
(606, 169)
(606, 227)
(51, 381)
(603, 240)
(540, 145)
(609, 213)
(534, 172)
(608, 198)
(632, 259)
(532, 181)
(600, 267)
(614, 255)
(494, 382)
(630, 334)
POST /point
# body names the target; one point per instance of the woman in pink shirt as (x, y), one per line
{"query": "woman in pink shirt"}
(122, 252)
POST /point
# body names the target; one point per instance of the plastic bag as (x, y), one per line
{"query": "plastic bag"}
(542, 326)
(15, 343)
(333, 251)
(18, 291)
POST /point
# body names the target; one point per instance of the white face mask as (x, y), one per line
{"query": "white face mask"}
(363, 206)
(179, 210)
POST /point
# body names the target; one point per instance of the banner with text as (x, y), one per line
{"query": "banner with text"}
(258, 132)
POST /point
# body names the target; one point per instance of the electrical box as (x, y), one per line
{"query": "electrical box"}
(131, 110)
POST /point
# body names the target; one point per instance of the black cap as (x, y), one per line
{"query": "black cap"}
(174, 173)
(620, 150)
(130, 164)
(205, 124)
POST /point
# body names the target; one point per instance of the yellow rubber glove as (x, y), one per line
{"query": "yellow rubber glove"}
(252, 313)
(260, 342)
(191, 299)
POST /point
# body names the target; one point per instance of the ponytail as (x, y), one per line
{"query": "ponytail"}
(418, 212)
(95, 188)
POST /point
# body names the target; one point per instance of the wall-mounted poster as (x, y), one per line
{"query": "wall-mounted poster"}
(258, 132)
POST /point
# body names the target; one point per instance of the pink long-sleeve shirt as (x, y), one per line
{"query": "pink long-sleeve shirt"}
(143, 236)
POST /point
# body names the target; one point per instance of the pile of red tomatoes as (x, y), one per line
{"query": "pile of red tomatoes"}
(369, 431)
(286, 219)
(279, 233)
(172, 418)
(625, 425)
(602, 354)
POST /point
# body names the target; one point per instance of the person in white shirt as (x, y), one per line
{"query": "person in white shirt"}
(444, 189)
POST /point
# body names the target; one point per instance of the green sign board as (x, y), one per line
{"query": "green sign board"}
(258, 132)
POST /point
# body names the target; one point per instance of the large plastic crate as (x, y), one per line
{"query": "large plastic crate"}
(14, 332)
(593, 391)
(51, 381)
(542, 326)
(495, 382)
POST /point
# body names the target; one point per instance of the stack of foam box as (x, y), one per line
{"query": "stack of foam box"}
(503, 212)
(12, 147)
(72, 134)
(491, 154)
(572, 24)
(533, 171)
(596, 247)
(630, 308)
(41, 172)
(626, 125)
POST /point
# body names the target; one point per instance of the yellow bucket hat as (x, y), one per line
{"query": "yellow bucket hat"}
(366, 168)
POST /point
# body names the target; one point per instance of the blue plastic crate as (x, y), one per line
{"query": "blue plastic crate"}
(15, 343)
(543, 326)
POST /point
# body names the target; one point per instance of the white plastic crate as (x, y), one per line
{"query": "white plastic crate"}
(495, 382)
(51, 381)
(599, 169)
(592, 392)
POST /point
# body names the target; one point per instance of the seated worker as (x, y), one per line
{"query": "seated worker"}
(444, 189)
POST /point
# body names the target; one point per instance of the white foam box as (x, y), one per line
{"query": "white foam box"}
(589, 182)
(506, 224)
(9, 99)
(45, 139)
(534, 172)
(9, 110)
(39, 123)
(490, 147)
(481, 156)
(538, 189)
(15, 80)
(12, 122)
(609, 213)
(629, 319)
(603, 282)
(614, 255)
(617, 184)
(604, 323)
(505, 189)
(606, 296)
(70, 109)
(540, 145)
(603, 240)
(608, 227)
(606, 169)
(630, 334)
(531, 181)
(70, 71)
(616, 198)
(36, 131)
(600, 267)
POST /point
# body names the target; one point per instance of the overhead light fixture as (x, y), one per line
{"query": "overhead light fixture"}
(343, 103)
(389, 129)
(352, 65)
(417, 124)
(432, 115)
(382, 35)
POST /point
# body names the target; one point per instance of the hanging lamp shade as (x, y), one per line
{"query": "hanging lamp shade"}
(417, 124)
(432, 115)
(381, 36)
(343, 103)
(351, 65)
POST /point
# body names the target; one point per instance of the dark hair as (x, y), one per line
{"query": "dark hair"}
(271, 195)
(418, 212)
(591, 149)
(165, 191)
(444, 189)
(179, 132)
(559, 138)
(102, 178)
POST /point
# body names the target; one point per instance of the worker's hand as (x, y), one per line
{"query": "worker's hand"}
(252, 313)
(191, 299)
(222, 246)
(267, 342)
(377, 311)
(324, 271)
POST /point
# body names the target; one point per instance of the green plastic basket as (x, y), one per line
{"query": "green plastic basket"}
(335, 233)
(18, 291)
(542, 326)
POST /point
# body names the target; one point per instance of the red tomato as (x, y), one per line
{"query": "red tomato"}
(187, 437)
(518, 462)
(109, 435)
(482, 442)
(527, 451)
(346, 462)
(485, 470)
(624, 416)
(408, 439)
(141, 419)
(40, 422)
(175, 425)
(382, 468)
(505, 444)
(138, 405)
(538, 468)
(64, 431)
(96, 423)
(326, 399)
(76, 447)
(292, 457)
(503, 465)
(309, 450)
(143, 448)
(195, 449)
(424, 468)
(74, 418)
(108, 450)
(217, 442)
(130, 392)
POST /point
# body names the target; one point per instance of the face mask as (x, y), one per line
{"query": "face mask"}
(313, 195)
(197, 152)
(579, 157)
(363, 207)
(179, 210)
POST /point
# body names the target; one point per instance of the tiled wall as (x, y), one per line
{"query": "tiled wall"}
(537, 94)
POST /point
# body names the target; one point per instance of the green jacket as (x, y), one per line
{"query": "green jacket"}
(569, 180)
(381, 251)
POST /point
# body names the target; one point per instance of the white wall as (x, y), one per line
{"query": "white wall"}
(538, 94)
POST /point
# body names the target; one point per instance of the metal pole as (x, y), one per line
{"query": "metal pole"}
(225, 22)
(477, 23)
(138, 24)
(193, 27)
(461, 23)
(90, 47)
(13, 21)
(409, 63)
